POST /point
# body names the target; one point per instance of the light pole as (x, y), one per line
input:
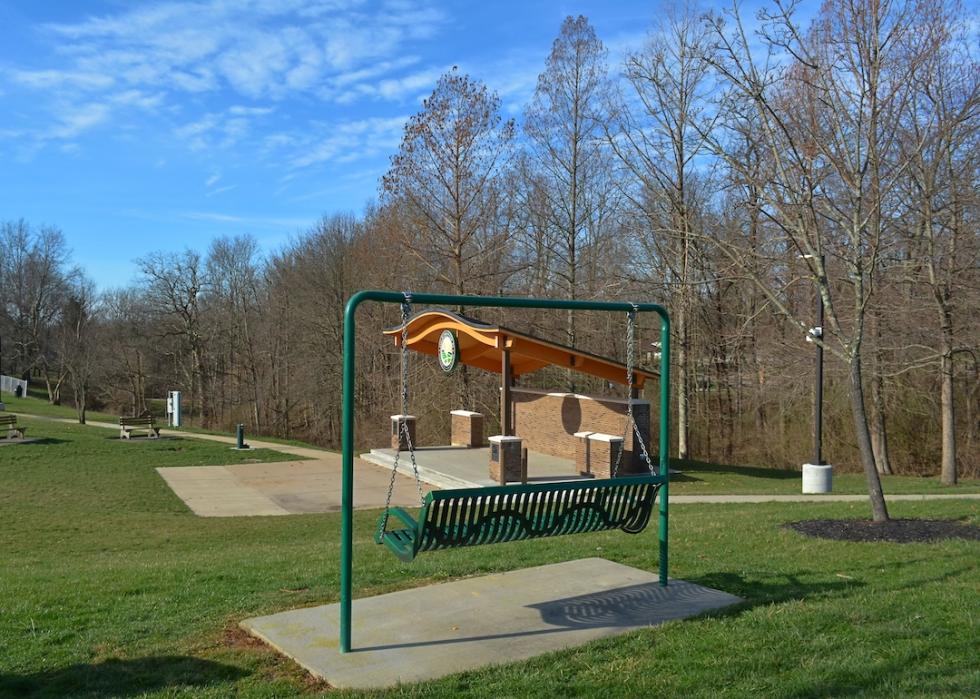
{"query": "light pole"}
(817, 477)
(817, 333)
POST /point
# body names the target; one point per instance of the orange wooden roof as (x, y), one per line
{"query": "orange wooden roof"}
(481, 345)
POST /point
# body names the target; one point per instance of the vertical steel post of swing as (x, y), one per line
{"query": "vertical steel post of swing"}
(664, 439)
(347, 432)
(347, 486)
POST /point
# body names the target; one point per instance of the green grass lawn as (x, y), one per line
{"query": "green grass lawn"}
(110, 586)
(703, 478)
(31, 405)
(37, 406)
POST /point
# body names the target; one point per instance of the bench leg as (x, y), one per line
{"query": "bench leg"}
(123, 434)
(154, 433)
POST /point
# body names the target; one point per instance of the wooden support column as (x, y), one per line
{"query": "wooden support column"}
(506, 423)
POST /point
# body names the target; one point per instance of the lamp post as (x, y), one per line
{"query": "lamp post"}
(817, 333)
(817, 477)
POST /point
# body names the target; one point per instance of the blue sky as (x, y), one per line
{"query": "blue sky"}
(157, 126)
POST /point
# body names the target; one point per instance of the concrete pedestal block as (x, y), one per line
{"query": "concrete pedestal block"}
(582, 460)
(506, 459)
(603, 450)
(398, 440)
(467, 428)
(817, 479)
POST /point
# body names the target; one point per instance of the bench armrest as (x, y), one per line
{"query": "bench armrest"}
(404, 516)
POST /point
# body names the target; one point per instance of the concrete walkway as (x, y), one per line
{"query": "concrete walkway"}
(283, 487)
(727, 499)
(276, 488)
(436, 630)
(300, 487)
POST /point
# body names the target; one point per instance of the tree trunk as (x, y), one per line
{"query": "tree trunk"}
(80, 404)
(947, 408)
(879, 511)
(879, 427)
(683, 384)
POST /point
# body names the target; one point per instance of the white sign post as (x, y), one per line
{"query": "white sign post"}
(173, 408)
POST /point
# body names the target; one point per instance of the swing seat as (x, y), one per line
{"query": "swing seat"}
(473, 516)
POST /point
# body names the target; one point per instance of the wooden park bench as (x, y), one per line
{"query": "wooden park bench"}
(127, 425)
(9, 422)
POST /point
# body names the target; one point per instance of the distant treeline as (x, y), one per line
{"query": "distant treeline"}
(730, 173)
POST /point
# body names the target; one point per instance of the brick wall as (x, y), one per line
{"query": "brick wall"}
(547, 422)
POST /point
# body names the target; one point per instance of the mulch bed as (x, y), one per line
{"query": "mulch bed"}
(899, 531)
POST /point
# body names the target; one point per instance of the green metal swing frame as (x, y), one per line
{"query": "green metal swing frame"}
(506, 513)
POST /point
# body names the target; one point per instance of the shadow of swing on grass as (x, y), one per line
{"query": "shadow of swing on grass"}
(119, 678)
(632, 606)
(756, 593)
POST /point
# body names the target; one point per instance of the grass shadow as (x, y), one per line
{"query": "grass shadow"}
(756, 592)
(42, 441)
(143, 438)
(120, 678)
(689, 466)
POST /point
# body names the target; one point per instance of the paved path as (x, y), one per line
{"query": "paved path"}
(299, 487)
(722, 499)
(276, 488)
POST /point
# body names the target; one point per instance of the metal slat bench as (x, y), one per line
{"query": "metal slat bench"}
(127, 425)
(473, 516)
(9, 422)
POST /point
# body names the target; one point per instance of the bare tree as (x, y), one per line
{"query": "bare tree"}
(659, 133)
(35, 275)
(131, 366)
(79, 351)
(445, 178)
(941, 147)
(444, 182)
(233, 271)
(828, 122)
(565, 126)
(175, 284)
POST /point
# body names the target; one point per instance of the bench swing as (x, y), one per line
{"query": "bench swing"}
(497, 514)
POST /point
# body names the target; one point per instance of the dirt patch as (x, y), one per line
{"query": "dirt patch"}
(899, 531)
(279, 666)
(237, 637)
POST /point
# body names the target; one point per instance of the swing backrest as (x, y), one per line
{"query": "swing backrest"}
(472, 516)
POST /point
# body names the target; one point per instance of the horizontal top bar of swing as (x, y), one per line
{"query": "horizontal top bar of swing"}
(504, 302)
(537, 488)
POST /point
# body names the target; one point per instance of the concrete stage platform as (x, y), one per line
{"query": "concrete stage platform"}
(429, 632)
(467, 467)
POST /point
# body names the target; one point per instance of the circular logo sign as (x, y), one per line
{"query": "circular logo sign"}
(448, 351)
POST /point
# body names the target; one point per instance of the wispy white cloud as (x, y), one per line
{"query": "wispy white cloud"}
(47, 79)
(78, 120)
(255, 49)
(352, 140)
(257, 221)
(220, 190)
(182, 59)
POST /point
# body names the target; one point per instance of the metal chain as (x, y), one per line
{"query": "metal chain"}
(630, 421)
(403, 430)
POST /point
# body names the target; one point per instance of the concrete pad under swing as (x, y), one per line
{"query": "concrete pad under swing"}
(429, 632)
